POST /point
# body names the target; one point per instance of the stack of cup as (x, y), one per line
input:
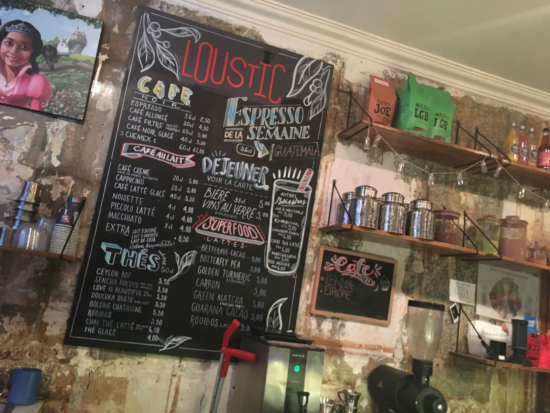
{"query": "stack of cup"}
(68, 216)
(61, 232)
(74, 206)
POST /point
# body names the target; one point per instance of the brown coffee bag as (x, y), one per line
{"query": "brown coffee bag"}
(380, 101)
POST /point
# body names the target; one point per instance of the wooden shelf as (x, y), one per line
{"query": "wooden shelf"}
(401, 241)
(37, 253)
(487, 362)
(446, 154)
(528, 175)
(434, 247)
(406, 143)
(514, 265)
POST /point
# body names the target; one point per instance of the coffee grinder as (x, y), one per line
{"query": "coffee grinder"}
(286, 377)
(396, 391)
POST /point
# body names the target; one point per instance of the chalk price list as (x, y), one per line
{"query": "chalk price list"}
(140, 202)
(219, 213)
(211, 215)
(229, 260)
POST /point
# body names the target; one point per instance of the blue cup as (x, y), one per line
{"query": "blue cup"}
(24, 385)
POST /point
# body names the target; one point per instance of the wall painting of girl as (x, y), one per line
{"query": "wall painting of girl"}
(47, 58)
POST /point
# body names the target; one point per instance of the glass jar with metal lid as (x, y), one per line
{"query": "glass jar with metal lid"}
(491, 228)
(343, 216)
(513, 237)
(365, 207)
(392, 213)
(421, 220)
(446, 226)
(537, 254)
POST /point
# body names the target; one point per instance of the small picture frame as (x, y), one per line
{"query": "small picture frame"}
(455, 313)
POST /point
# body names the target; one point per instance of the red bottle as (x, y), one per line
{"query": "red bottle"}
(543, 160)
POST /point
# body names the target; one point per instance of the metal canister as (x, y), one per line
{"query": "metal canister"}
(392, 213)
(343, 216)
(365, 207)
(422, 221)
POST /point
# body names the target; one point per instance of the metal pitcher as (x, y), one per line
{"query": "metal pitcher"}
(350, 399)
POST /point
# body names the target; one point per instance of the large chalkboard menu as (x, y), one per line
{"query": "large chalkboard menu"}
(205, 204)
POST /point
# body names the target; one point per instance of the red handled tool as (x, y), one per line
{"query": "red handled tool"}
(225, 359)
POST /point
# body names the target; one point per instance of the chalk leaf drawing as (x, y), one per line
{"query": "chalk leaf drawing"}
(173, 342)
(316, 75)
(274, 315)
(184, 263)
(318, 96)
(306, 70)
(167, 59)
(146, 54)
(151, 48)
(183, 32)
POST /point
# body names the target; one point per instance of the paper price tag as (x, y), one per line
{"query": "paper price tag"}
(462, 292)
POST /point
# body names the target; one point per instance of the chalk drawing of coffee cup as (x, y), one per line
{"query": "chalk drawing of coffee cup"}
(287, 224)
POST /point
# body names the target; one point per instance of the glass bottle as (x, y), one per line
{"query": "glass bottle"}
(533, 148)
(511, 145)
(523, 146)
(30, 236)
(490, 226)
(46, 226)
(543, 160)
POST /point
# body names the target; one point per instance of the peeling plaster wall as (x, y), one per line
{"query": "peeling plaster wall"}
(36, 293)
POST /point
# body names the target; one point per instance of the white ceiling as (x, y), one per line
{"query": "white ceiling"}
(507, 38)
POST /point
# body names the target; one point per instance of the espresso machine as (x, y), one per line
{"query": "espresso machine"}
(286, 377)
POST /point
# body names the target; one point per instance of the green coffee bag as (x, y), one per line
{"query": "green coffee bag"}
(413, 109)
(442, 112)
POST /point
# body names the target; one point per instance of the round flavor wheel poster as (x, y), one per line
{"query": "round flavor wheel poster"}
(503, 294)
(506, 298)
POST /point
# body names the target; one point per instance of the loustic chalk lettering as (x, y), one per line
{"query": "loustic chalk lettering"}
(133, 151)
(235, 71)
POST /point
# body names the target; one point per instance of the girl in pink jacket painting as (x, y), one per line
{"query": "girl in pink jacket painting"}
(21, 84)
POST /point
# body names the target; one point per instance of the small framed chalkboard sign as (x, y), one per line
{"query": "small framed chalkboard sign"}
(354, 286)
